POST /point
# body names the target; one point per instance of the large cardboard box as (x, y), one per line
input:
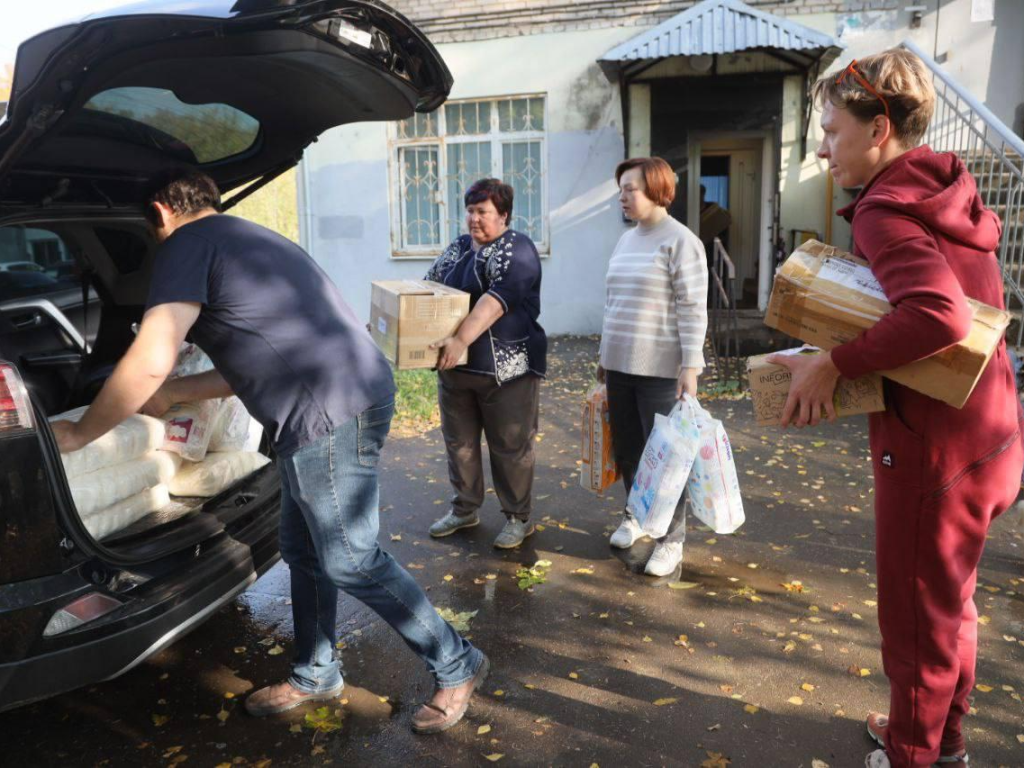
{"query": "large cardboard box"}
(769, 389)
(826, 297)
(599, 470)
(407, 316)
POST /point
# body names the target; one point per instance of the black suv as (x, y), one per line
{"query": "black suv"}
(238, 89)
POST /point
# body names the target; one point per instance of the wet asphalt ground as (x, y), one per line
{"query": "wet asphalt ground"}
(764, 653)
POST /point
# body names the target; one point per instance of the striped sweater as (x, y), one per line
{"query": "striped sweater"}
(655, 312)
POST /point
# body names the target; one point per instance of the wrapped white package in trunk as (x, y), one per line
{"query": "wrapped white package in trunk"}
(129, 440)
(105, 487)
(189, 427)
(235, 430)
(215, 473)
(104, 522)
(191, 360)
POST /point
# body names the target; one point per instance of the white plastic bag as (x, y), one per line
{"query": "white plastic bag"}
(116, 517)
(215, 473)
(664, 468)
(235, 430)
(105, 487)
(714, 485)
(128, 440)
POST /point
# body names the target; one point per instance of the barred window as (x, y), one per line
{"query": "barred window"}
(438, 155)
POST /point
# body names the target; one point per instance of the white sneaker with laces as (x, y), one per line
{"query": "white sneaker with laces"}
(877, 759)
(626, 534)
(666, 558)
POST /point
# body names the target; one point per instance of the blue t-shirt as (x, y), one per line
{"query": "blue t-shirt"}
(509, 270)
(274, 325)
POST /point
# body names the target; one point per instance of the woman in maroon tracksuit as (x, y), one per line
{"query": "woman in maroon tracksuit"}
(941, 474)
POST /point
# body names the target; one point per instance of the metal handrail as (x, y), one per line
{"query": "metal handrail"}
(995, 154)
(724, 330)
(1013, 140)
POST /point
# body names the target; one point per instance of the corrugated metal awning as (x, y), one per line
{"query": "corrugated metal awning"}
(725, 26)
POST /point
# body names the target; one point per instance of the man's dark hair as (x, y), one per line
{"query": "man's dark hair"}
(496, 191)
(184, 190)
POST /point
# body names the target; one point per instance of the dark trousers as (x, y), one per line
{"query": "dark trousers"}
(633, 402)
(471, 405)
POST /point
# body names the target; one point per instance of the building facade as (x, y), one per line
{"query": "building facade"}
(551, 95)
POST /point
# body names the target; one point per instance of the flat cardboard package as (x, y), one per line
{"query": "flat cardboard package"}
(769, 388)
(826, 297)
(407, 316)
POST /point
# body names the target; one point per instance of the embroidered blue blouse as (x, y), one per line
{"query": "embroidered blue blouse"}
(508, 269)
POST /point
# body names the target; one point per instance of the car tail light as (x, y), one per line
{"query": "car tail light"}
(83, 610)
(15, 411)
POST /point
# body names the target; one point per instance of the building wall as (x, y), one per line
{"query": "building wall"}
(347, 227)
(448, 21)
(502, 48)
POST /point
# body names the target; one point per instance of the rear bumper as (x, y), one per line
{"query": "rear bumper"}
(117, 646)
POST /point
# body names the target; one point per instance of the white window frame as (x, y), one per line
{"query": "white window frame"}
(497, 139)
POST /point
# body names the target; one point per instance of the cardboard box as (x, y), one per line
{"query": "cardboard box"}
(826, 297)
(599, 471)
(407, 316)
(769, 389)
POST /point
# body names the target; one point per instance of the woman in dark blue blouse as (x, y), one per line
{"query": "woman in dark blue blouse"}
(497, 392)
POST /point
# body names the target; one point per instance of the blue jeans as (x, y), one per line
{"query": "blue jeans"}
(329, 523)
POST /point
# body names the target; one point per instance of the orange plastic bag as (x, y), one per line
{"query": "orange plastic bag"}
(599, 470)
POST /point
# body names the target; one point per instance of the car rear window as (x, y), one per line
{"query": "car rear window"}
(34, 262)
(200, 133)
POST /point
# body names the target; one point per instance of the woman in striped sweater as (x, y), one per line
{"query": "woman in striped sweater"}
(655, 319)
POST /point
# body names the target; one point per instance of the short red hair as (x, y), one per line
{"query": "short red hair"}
(659, 178)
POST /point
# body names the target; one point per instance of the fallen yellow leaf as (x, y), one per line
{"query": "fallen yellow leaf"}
(494, 758)
(573, 676)
(663, 702)
(795, 701)
(750, 709)
(807, 687)
(483, 729)
(984, 688)
(683, 585)
(448, 577)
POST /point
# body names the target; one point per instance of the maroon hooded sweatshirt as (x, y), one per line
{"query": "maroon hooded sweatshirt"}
(941, 474)
(931, 243)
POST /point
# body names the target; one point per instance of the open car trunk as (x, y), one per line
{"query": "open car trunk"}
(65, 330)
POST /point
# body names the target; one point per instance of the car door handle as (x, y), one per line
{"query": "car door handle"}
(27, 321)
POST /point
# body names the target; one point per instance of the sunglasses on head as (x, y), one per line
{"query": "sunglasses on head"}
(853, 70)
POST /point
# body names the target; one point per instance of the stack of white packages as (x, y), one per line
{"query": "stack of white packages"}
(120, 477)
(217, 438)
(215, 473)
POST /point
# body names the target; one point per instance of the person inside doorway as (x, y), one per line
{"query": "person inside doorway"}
(714, 221)
(942, 474)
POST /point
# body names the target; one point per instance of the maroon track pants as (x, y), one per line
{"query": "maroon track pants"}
(929, 539)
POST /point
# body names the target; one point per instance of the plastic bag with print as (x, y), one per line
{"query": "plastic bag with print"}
(665, 467)
(714, 485)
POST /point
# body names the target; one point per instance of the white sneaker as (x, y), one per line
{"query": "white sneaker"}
(665, 558)
(626, 534)
(877, 759)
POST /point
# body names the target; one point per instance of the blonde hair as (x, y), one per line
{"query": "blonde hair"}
(899, 77)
